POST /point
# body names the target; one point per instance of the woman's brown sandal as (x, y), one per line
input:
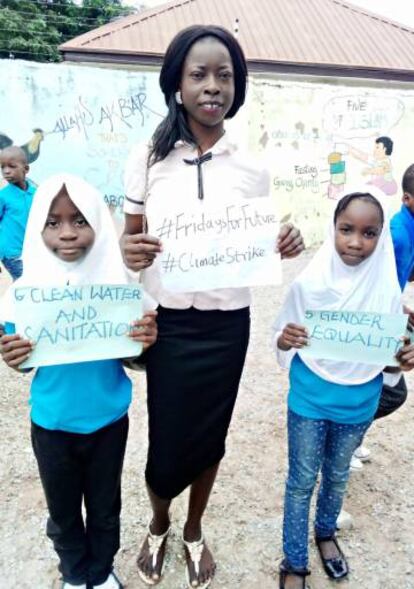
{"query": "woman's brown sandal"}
(154, 546)
(285, 570)
(195, 551)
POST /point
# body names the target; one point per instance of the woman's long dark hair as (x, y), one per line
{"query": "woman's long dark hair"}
(174, 126)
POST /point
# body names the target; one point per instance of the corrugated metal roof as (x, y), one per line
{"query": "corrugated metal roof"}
(298, 34)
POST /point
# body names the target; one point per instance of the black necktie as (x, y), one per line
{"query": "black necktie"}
(198, 161)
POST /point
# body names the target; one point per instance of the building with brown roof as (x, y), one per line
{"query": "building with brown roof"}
(327, 81)
(313, 37)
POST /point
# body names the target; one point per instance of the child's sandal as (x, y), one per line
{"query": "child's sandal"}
(154, 545)
(285, 570)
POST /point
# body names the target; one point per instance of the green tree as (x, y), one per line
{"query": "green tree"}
(33, 29)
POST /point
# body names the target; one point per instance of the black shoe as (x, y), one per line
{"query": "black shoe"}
(335, 568)
(285, 570)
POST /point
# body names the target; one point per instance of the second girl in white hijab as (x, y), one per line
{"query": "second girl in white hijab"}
(332, 403)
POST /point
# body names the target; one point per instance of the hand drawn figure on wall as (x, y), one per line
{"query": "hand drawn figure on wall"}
(379, 165)
(31, 148)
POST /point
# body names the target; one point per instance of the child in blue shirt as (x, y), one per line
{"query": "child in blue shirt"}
(15, 202)
(79, 411)
(402, 230)
(332, 403)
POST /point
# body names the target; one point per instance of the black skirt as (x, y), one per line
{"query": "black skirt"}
(193, 374)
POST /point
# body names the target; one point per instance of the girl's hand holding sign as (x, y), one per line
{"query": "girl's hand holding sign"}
(145, 330)
(293, 336)
(15, 350)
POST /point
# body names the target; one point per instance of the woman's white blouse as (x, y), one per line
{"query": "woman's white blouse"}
(171, 184)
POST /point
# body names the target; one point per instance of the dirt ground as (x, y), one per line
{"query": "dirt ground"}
(243, 523)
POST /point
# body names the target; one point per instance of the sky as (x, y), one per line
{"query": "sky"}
(398, 10)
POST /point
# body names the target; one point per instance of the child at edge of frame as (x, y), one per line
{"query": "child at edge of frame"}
(15, 201)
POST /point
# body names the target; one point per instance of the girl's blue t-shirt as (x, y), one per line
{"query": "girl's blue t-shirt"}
(314, 397)
(80, 397)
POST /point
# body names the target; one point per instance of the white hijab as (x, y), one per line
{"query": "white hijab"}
(327, 283)
(101, 265)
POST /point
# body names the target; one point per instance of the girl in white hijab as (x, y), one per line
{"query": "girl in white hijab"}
(79, 411)
(332, 403)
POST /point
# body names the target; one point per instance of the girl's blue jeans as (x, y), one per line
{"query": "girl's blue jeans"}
(315, 445)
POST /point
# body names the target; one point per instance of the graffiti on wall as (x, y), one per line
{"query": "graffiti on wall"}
(84, 119)
(316, 138)
(320, 139)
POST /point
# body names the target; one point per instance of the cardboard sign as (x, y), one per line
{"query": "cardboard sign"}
(371, 338)
(225, 246)
(78, 323)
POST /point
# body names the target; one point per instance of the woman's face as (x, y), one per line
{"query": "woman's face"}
(207, 85)
(67, 233)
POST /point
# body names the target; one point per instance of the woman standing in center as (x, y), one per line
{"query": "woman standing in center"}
(194, 370)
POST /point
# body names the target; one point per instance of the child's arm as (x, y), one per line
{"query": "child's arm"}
(358, 154)
(145, 330)
(15, 350)
(292, 336)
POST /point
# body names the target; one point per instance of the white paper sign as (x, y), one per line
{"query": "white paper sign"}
(78, 323)
(227, 246)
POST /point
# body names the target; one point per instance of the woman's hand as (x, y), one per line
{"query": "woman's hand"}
(293, 336)
(290, 241)
(145, 330)
(405, 355)
(15, 350)
(139, 250)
